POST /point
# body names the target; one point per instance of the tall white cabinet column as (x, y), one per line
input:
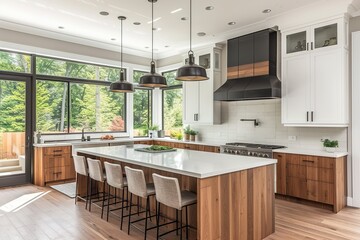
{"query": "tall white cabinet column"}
(356, 118)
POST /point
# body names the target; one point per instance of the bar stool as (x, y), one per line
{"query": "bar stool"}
(168, 193)
(81, 169)
(96, 173)
(137, 186)
(115, 179)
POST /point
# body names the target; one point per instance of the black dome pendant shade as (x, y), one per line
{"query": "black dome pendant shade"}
(122, 85)
(152, 79)
(191, 71)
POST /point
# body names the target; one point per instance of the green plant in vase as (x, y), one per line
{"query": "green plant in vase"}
(330, 145)
(192, 135)
(187, 132)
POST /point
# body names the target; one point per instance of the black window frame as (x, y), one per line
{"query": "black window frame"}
(173, 87)
(150, 102)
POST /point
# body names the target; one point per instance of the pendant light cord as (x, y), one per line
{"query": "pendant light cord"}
(121, 47)
(152, 31)
(190, 25)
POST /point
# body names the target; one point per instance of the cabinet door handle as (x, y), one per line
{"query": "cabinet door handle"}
(57, 155)
(312, 45)
(307, 116)
(309, 161)
(307, 46)
(312, 116)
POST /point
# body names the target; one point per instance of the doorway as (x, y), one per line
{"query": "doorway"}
(15, 130)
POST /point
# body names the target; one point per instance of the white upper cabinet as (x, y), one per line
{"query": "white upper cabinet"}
(314, 75)
(199, 104)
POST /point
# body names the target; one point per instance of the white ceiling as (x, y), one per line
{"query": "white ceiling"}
(81, 20)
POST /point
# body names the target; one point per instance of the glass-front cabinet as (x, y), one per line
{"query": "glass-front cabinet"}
(325, 35)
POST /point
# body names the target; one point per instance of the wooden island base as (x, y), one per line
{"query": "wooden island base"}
(238, 205)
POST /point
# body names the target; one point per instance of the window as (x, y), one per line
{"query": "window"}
(70, 69)
(15, 62)
(51, 106)
(172, 104)
(142, 107)
(66, 105)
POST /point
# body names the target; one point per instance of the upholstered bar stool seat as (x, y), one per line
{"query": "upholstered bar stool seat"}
(168, 193)
(96, 173)
(116, 180)
(137, 186)
(81, 169)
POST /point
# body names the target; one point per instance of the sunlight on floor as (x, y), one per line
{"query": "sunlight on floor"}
(21, 202)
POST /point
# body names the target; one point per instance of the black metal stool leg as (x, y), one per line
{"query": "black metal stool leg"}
(108, 204)
(157, 220)
(181, 224)
(90, 195)
(138, 206)
(177, 222)
(130, 213)
(122, 208)
(187, 224)
(103, 200)
(146, 215)
(76, 188)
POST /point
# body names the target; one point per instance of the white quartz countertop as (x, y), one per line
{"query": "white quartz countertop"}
(78, 142)
(311, 152)
(118, 140)
(196, 164)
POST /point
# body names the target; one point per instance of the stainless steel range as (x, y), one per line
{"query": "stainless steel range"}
(249, 149)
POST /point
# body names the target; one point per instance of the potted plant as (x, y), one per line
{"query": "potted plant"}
(153, 130)
(187, 132)
(192, 135)
(330, 146)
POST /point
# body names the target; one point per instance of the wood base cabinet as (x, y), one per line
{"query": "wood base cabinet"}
(53, 164)
(314, 178)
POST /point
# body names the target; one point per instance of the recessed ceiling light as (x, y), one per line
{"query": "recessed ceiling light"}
(176, 10)
(209, 8)
(266, 11)
(137, 23)
(167, 46)
(184, 18)
(201, 34)
(61, 27)
(155, 20)
(113, 39)
(231, 23)
(156, 29)
(103, 13)
(146, 47)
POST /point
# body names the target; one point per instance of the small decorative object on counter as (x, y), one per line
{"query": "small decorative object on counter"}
(105, 137)
(153, 131)
(192, 135)
(187, 132)
(37, 135)
(330, 145)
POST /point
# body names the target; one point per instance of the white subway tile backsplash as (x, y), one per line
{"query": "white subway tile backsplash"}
(270, 131)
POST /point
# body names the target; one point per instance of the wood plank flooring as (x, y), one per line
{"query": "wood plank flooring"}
(31, 212)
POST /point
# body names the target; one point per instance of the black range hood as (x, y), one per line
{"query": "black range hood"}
(251, 88)
(252, 61)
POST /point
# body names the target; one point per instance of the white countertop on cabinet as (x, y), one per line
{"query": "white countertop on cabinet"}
(311, 152)
(196, 164)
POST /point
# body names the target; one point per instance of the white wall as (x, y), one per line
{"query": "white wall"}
(270, 130)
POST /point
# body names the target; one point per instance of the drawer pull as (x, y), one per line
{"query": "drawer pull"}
(309, 161)
(59, 150)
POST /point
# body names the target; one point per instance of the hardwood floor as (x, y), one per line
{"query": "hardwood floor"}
(31, 212)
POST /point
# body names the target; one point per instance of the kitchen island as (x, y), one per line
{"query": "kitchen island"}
(235, 193)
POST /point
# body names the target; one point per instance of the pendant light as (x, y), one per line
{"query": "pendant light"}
(122, 85)
(191, 71)
(152, 79)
